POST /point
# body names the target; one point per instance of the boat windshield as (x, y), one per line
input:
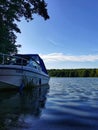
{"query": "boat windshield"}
(33, 64)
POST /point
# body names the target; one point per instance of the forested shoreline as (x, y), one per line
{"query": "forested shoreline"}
(73, 72)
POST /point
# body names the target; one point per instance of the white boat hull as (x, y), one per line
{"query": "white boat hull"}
(16, 76)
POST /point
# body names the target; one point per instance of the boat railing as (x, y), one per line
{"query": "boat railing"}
(6, 59)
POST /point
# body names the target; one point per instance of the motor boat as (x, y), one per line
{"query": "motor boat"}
(20, 70)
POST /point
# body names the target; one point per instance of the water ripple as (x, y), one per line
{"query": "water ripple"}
(74, 101)
(69, 104)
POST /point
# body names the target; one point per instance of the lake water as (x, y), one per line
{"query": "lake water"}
(66, 104)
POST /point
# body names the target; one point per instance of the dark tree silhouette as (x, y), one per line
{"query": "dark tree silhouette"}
(73, 72)
(12, 11)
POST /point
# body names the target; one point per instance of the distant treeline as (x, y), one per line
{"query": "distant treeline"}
(73, 72)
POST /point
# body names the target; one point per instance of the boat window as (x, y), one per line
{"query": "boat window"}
(12, 61)
(5, 59)
(24, 62)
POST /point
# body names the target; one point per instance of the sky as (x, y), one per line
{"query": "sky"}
(68, 40)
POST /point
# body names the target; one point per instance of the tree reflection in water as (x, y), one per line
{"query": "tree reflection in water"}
(17, 109)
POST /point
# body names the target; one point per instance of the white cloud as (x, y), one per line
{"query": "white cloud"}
(72, 58)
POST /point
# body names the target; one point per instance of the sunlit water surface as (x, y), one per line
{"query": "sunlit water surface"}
(66, 104)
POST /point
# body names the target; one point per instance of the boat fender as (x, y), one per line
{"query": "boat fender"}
(39, 81)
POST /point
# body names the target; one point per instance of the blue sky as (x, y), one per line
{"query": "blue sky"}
(69, 39)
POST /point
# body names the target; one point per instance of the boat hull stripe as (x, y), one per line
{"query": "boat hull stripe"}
(22, 69)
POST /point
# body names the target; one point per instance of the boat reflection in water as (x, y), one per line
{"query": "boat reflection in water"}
(17, 110)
